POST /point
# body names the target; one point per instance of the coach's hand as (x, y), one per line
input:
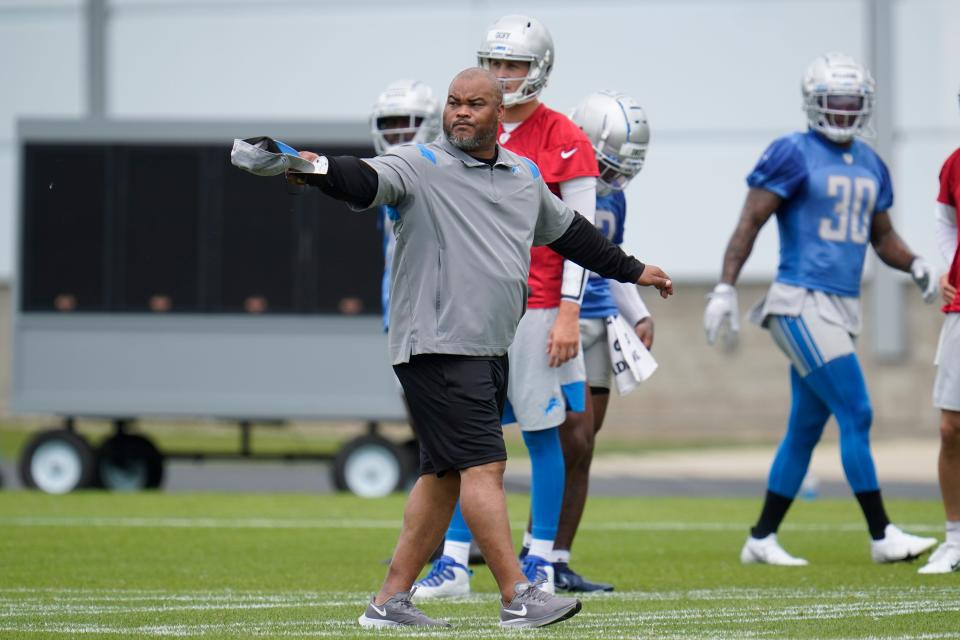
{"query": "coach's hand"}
(563, 341)
(722, 308)
(295, 177)
(655, 277)
(948, 292)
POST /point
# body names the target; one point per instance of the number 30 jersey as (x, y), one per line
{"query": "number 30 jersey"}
(830, 194)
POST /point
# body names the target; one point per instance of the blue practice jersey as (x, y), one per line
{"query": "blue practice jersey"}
(610, 216)
(831, 194)
(388, 214)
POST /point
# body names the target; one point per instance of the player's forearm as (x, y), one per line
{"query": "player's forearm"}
(580, 194)
(946, 231)
(347, 178)
(757, 209)
(738, 250)
(893, 251)
(629, 302)
(574, 283)
(584, 244)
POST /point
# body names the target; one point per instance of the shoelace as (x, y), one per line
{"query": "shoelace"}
(438, 572)
(538, 568)
(407, 602)
(534, 593)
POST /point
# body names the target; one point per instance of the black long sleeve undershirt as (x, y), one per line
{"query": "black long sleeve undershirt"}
(347, 178)
(584, 244)
(354, 181)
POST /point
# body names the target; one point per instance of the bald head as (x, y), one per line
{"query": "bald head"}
(473, 111)
(478, 77)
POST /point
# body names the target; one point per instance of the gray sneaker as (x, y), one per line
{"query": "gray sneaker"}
(398, 611)
(532, 607)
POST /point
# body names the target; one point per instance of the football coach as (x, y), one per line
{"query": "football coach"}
(467, 212)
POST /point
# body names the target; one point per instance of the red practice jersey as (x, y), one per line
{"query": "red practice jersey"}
(562, 152)
(950, 195)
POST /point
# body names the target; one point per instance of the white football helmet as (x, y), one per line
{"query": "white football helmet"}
(520, 38)
(616, 126)
(406, 111)
(838, 97)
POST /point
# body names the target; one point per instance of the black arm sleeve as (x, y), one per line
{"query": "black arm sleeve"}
(586, 246)
(348, 178)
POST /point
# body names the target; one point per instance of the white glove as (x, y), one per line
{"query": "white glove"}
(722, 307)
(922, 274)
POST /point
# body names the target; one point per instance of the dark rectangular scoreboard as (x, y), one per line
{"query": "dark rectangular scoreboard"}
(175, 228)
(155, 278)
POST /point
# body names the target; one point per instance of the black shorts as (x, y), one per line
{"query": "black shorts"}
(455, 404)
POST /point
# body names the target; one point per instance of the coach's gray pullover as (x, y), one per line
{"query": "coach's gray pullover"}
(459, 278)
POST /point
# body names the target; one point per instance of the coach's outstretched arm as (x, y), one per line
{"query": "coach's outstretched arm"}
(347, 178)
(584, 244)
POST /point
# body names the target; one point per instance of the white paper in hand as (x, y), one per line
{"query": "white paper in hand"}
(632, 362)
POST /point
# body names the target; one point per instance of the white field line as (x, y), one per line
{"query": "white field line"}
(682, 622)
(609, 624)
(19, 596)
(339, 523)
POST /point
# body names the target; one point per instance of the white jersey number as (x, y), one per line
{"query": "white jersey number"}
(855, 201)
(606, 222)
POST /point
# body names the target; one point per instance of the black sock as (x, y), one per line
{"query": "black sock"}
(873, 511)
(774, 509)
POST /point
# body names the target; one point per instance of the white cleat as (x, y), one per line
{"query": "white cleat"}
(768, 551)
(447, 579)
(897, 546)
(946, 559)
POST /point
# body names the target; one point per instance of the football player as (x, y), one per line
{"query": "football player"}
(831, 194)
(405, 112)
(546, 388)
(946, 388)
(617, 128)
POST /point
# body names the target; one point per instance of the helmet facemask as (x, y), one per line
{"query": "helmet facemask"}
(838, 97)
(530, 86)
(840, 115)
(619, 166)
(405, 112)
(616, 126)
(392, 130)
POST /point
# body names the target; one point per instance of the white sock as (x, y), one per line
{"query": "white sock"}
(527, 539)
(459, 551)
(541, 548)
(953, 532)
(561, 555)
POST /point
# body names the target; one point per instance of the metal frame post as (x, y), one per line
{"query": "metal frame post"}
(96, 44)
(888, 314)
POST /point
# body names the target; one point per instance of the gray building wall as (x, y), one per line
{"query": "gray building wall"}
(700, 393)
(719, 79)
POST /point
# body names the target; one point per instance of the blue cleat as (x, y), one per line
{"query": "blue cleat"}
(538, 571)
(447, 579)
(566, 579)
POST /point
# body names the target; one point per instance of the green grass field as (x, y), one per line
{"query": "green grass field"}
(95, 565)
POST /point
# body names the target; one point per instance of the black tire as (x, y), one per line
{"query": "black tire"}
(369, 466)
(128, 462)
(57, 461)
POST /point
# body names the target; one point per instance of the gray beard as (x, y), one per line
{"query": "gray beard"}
(472, 143)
